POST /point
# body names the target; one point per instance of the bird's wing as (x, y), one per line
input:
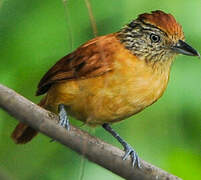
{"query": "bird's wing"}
(89, 60)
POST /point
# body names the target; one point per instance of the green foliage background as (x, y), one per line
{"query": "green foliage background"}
(35, 34)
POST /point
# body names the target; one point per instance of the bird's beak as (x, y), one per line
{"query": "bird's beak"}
(183, 48)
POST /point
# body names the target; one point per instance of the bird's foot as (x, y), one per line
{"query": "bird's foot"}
(134, 157)
(63, 117)
(129, 151)
(64, 122)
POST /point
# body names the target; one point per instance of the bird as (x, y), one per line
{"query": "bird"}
(112, 77)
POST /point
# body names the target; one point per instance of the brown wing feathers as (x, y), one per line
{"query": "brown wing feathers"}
(91, 59)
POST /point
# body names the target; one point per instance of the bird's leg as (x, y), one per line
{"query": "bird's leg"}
(63, 117)
(127, 148)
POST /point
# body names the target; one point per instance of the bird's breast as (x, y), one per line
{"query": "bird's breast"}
(129, 88)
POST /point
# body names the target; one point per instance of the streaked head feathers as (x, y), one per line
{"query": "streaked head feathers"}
(166, 22)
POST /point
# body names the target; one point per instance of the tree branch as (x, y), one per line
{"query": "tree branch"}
(95, 149)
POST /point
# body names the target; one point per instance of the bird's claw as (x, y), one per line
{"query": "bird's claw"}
(134, 157)
(64, 122)
(63, 117)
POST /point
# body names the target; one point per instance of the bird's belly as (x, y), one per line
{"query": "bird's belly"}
(108, 98)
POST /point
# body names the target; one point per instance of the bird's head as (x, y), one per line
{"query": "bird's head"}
(155, 37)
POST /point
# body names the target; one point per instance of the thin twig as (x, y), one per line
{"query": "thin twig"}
(92, 19)
(67, 13)
(98, 151)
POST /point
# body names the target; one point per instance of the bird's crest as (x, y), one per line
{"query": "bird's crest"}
(165, 22)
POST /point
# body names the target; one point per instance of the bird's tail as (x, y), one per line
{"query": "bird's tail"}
(23, 133)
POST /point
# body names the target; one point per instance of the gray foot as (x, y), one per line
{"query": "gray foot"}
(129, 151)
(63, 117)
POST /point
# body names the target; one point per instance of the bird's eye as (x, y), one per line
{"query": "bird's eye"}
(155, 38)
